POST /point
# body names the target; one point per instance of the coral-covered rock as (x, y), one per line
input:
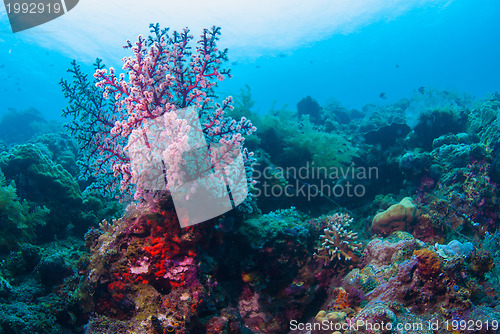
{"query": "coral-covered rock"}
(411, 274)
(387, 135)
(309, 106)
(481, 263)
(294, 286)
(143, 266)
(382, 252)
(61, 149)
(436, 122)
(375, 314)
(264, 229)
(146, 265)
(453, 155)
(229, 322)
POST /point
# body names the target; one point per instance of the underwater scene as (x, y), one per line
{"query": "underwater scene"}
(267, 167)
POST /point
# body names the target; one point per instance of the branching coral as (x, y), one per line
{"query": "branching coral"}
(109, 227)
(339, 243)
(164, 76)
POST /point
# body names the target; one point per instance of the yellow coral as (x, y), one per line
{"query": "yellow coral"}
(396, 217)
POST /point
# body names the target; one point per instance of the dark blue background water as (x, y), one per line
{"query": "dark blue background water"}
(454, 47)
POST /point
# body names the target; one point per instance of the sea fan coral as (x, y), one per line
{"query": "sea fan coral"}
(339, 243)
(164, 75)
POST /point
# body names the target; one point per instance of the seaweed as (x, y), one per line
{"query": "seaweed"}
(18, 218)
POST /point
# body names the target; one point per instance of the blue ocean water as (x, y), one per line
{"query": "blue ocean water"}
(453, 47)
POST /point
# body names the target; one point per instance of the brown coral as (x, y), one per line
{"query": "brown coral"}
(428, 263)
(396, 217)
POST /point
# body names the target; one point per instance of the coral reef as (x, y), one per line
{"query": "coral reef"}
(414, 287)
(27, 162)
(151, 275)
(61, 149)
(309, 106)
(423, 263)
(388, 135)
(39, 288)
(87, 246)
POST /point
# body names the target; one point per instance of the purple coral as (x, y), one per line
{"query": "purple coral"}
(181, 271)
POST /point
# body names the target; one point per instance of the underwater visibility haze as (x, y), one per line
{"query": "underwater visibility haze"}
(265, 167)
